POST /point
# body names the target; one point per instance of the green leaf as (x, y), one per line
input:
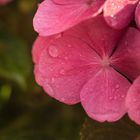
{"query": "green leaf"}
(15, 62)
(123, 129)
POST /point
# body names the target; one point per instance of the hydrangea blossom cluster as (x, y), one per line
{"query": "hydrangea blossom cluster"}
(88, 51)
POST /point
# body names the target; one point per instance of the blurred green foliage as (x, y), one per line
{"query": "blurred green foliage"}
(26, 112)
(123, 129)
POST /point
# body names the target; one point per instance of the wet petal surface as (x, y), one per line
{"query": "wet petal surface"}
(54, 16)
(126, 58)
(103, 97)
(133, 101)
(65, 65)
(119, 13)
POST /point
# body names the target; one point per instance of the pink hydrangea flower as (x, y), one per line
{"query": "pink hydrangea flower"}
(133, 101)
(87, 64)
(119, 13)
(54, 16)
(2, 2)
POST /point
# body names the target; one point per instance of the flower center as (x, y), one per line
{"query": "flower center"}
(105, 62)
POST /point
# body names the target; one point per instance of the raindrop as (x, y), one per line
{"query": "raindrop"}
(69, 46)
(115, 97)
(112, 4)
(118, 6)
(126, 43)
(117, 86)
(113, 90)
(119, 95)
(66, 58)
(62, 99)
(134, 100)
(123, 96)
(58, 36)
(62, 71)
(53, 80)
(53, 51)
(110, 98)
(112, 16)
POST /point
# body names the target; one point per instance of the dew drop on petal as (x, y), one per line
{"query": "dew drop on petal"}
(62, 71)
(117, 86)
(69, 45)
(123, 96)
(53, 51)
(119, 95)
(134, 100)
(58, 36)
(113, 90)
(126, 43)
(115, 97)
(52, 80)
(110, 98)
(62, 99)
(66, 58)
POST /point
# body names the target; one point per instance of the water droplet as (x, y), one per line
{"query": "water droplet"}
(110, 98)
(122, 96)
(118, 6)
(66, 58)
(59, 35)
(112, 4)
(117, 86)
(62, 99)
(53, 80)
(82, 98)
(62, 71)
(112, 16)
(126, 43)
(113, 90)
(69, 45)
(134, 100)
(115, 97)
(53, 51)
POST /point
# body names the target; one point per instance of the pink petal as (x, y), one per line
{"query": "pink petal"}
(39, 78)
(65, 65)
(133, 101)
(39, 44)
(126, 58)
(103, 38)
(137, 15)
(54, 16)
(119, 13)
(103, 97)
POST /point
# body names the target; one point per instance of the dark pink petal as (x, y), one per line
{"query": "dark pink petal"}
(133, 101)
(39, 78)
(65, 66)
(126, 58)
(54, 16)
(39, 44)
(137, 15)
(119, 13)
(103, 97)
(103, 38)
